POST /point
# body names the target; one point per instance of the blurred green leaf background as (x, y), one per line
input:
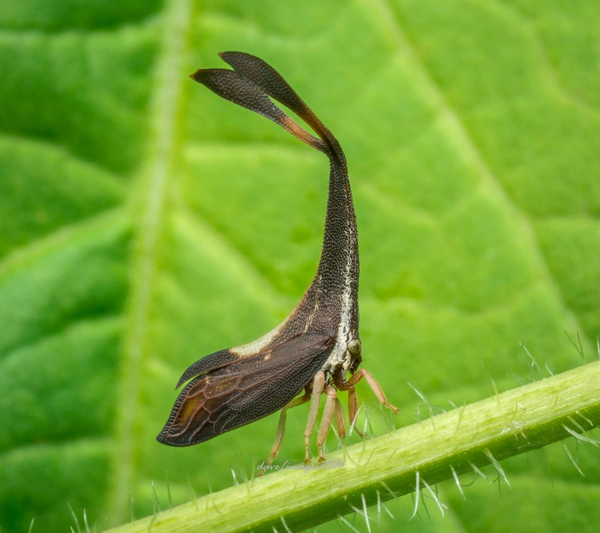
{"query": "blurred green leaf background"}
(145, 223)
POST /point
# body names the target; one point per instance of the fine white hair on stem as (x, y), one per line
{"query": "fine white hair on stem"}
(434, 495)
(541, 455)
(479, 472)
(75, 519)
(285, 525)
(388, 511)
(491, 382)
(418, 415)
(363, 512)
(214, 506)
(425, 400)
(461, 412)
(390, 491)
(496, 465)
(31, 524)
(85, 522)
(414, 418)
(155, 496)
(532, 362)
(353, 422)
(340, 442)
(575, 464)
(169, 490)
(248, 481)
(455, 476)
(368, 425)
(423, 502)
(335, 433)
(417, 491)
(348, 523)
(520, 379)
(585, 418)
(576, 424)
(235, 481)
(582, 438)
(578, 346)
(367, 517)
(193, 497)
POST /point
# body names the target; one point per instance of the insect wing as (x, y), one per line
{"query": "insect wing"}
(244, 391)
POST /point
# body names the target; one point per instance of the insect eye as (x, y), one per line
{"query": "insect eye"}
(354, 346)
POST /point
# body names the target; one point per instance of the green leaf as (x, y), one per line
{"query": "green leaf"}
(145, 223)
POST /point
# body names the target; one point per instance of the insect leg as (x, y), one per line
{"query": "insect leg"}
(353, 411)
(340, 424)
(362, 373)
(317, 388)
(281, 427)
(328, 412)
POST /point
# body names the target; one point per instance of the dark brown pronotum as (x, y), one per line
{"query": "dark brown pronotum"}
(318, 344)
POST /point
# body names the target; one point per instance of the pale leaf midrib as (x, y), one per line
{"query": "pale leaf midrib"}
(152, 187)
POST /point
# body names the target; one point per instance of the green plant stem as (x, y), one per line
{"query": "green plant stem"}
(389, 466)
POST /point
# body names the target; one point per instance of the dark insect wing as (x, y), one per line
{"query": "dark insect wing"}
(245, 389)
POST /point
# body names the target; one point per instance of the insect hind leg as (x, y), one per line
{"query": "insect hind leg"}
(281, 427)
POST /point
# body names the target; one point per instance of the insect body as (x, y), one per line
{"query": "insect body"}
(315, 347)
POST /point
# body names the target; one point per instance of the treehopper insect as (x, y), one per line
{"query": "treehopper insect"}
(318, 344)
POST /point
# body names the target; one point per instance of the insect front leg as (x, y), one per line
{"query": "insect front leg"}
(375, 387)
(340, 381)
(317, 388)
